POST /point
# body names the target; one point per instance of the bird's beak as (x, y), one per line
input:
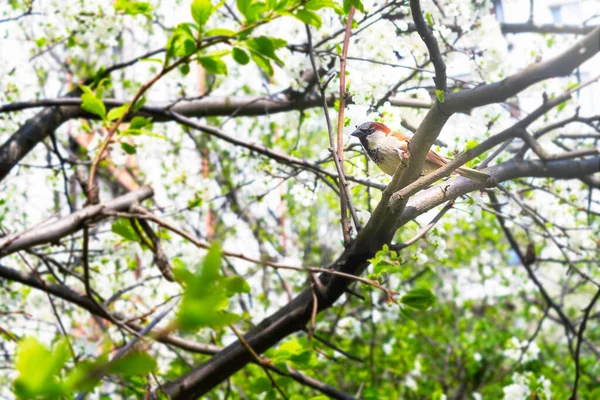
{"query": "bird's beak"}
(358, 133)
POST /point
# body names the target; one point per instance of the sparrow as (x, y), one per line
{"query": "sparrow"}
(387, 148)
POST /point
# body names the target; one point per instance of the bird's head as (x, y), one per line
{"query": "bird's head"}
(366, 129)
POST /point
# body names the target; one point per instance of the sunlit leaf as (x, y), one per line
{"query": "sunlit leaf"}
(117, 112)
(213, 65)
(201, 11)
(91, 103)
(123, 228)
(134, 363)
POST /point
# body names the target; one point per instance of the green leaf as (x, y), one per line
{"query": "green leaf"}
(440, 95)
(421, 299)
(383, 267)
(236, 284)
(266, 47)
(297, 352)
(39, 369)
(281, 6)
(135, 363)
(244, 7)
(91, 103)
(240, 56)
(471, 143)
(181, 43)
(318, 4)
(255, 10)
(130, 7)
(129, 149)
(206, 296)
(212, 263)
(309, 17)
(117, 112)
(139, 122)
(260, 385)
(271, 4)
(356, 3)
(219, 32)
(123, 228)
(139, 104)
(201, 11)
(262, 62)
(429, 18)
(404, 312)
(184, 69)
(182, 274)
(562, 106)
(213, 65)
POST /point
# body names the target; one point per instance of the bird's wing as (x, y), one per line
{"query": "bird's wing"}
(402, 138)
(436, 159)
(432, 156)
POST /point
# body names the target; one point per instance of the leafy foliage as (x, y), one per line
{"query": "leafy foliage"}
(207, 293)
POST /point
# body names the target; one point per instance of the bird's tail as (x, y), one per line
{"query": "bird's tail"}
(473, 174)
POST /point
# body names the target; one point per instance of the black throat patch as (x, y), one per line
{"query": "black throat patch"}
(374, 154)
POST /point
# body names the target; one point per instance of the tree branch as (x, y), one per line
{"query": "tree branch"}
(52, 232)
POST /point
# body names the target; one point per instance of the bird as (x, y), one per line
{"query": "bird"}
(387, 148)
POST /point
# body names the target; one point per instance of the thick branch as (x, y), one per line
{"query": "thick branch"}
(546, 28)
(52, 232)
(560, 65)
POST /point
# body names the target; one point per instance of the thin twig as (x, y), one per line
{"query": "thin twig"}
(258, 360)
(345, 198)
(345, 203)
(425, 229)
(586, 315)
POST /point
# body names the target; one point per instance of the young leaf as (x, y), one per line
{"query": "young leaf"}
(181, 43)
(39, 369)
(440, 95)
(240, 56)
(262, 62)
(244, 7)
(130, 7)
(219, 32)
(139, 122)
(356, 3)
(123, 228)
(236, 284)
(318, 4)
(117, 112)
(212, 262)
(135, 363)
(91, 103)
(129, 149)
(139, 104)
(309, 17)
(207, 294)
(214, 65)
(184, 69)
(201, 11)
(266, 46)
(421, 299)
